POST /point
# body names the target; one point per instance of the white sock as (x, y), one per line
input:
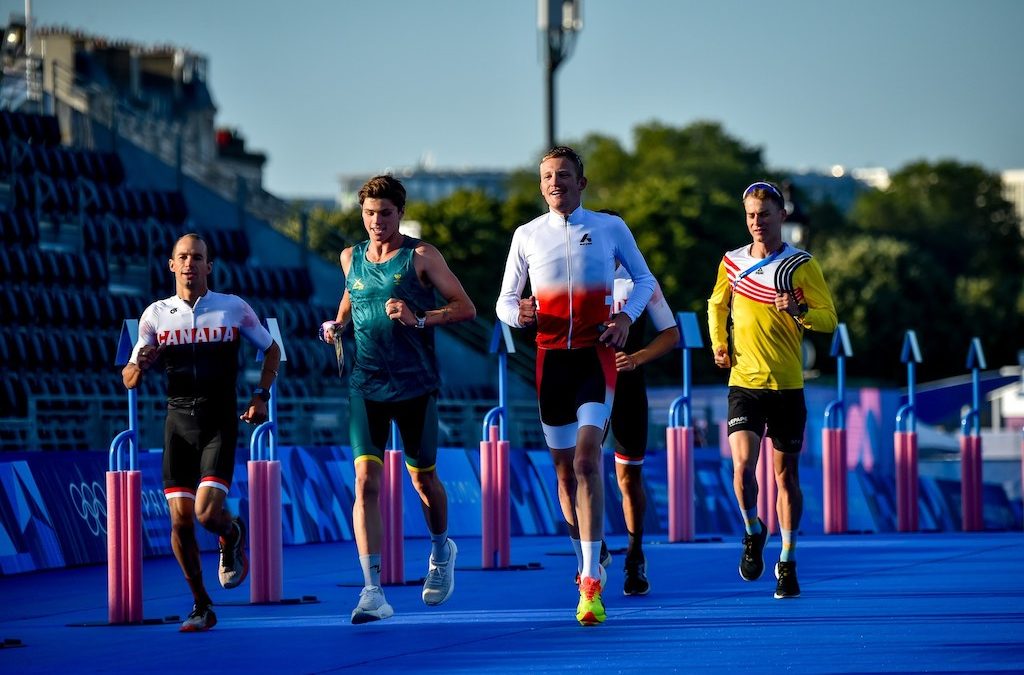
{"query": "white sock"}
(578, 547)
(591, 559)
(438, 549)
(371, 569)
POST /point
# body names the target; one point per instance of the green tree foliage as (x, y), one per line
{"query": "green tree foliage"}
(964, 242)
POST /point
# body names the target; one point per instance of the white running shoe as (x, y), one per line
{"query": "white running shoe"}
(440, 581)
(372, 606)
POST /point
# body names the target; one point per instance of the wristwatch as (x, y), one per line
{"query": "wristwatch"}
(261, 393)
(421, 319)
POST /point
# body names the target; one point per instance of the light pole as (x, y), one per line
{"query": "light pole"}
(558, 22)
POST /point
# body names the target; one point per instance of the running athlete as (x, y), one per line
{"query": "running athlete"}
(569, 256)
(390, 284)
(629, 420)
(197, 333)
(771, 291)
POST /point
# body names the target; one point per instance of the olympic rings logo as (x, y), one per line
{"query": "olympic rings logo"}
(154, 503)
(90, 501)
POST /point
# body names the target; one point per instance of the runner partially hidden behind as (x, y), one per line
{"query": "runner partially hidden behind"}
(630, 418)
(569, 255)
(391, 284)
(772, 292)
(197, 333)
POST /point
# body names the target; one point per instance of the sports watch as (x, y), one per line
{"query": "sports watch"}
(261, 393)
(421, 318)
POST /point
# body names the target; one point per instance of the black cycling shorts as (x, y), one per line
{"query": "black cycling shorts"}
(629, 418)
(575, 388)
(199, 450)
(782, 412)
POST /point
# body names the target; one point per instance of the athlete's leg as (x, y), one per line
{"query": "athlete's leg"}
(185, 547)
(212, 514)
(587, 464)
(634, 504)
(786, 422)
(180, 476)
(565, 473)
(416, 420)
(366, 517)
(369, 424)
(745, 447)
(790, 502)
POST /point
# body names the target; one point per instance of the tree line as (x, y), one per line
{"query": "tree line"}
(939, 251)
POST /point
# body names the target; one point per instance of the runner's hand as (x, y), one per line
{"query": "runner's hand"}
(527, 311)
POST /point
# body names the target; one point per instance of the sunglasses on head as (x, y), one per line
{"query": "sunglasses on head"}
(761, 185)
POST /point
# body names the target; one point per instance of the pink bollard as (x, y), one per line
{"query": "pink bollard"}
(258, 591)
(275, 545)
(833, 464)
(680, 484)
(495, 525)
(124, 547)
(768, 489)
(393, 549)
(906, 481)
(116, 611)
(488, 546)
(672, 459)
(503, 507)
(132, 481)
(265, 543)
(970, 484)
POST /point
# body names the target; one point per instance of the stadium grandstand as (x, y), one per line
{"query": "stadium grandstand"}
(108, 153)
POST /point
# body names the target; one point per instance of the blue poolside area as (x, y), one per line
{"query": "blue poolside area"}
(946, 602)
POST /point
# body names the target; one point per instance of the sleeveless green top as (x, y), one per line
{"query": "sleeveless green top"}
(392, 362)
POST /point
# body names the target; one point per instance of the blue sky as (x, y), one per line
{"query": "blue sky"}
(326, 87)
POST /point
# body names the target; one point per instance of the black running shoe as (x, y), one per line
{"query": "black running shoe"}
(201, 618)
(636, 582)
(788, 587)
(752, 560)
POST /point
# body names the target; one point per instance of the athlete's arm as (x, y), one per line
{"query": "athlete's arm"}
(821, 311)
(432, 267)
(256, 410)
(512, 283)
(145, 353)
(718, 316)
(633, 261)
(329, 328)
(662, 344)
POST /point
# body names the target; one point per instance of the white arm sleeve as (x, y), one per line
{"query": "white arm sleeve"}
(513, 282)
(644, 282)
(147, 333)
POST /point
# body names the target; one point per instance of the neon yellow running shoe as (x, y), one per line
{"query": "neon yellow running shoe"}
(590, 610)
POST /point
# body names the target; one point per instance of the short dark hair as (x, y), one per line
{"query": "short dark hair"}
(762, 190)
(193, 235)
(384, 187)
(567, 152)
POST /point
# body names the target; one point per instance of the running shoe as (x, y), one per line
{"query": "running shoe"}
(603, 574)
(788, 587)
(372, 606)
(752, 560)
(199, 619)
(590, 609)
(440, 581)
(636, 582)
(234, 565)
